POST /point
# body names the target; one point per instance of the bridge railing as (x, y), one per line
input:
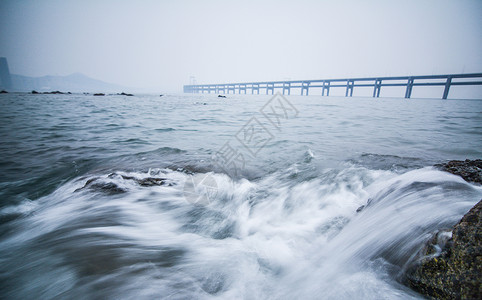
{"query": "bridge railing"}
(447, 81)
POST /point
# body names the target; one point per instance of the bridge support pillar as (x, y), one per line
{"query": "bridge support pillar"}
(270, 87)
(377, 87)
(447, 87)
(255, 87)
(408, 91)
(305, 86)
(349, 88)
(286, 87)
(242, 88)
(326, 87)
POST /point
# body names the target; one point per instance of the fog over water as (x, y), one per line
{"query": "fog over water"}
(158, 45)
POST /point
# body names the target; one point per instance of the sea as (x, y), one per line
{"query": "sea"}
(195, 196)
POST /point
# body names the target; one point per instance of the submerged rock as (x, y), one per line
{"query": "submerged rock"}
(451, 269)
(470, 170)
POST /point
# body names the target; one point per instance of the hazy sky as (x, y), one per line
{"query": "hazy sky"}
(160, 44)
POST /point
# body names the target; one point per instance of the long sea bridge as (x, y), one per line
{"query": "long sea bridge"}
(349, 84)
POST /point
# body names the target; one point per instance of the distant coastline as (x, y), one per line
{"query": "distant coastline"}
(75, 83)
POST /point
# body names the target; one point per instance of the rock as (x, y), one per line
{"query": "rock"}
(3, 92)
(53, 93)
(35, 92)
(148, 181)
(221, 96)
(470, 170)
(124, 94)
(451, 270)
(360, 208)
(161, 95)
(99, 94)
(103, 185)
(109, 188)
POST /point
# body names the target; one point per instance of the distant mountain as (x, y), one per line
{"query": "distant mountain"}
(71, 83)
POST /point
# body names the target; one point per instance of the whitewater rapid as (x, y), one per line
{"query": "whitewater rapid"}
(285, 235)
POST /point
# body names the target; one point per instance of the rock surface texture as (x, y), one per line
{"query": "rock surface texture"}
(455, 271)
(470, 170)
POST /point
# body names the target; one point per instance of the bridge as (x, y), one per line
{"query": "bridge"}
(349, 84)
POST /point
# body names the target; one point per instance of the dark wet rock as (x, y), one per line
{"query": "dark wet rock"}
(151, 181)
(99, 94)
(35, 92)
(53, 93)
(451, 269)
(161, 95)
(470, 170)
(3, 92)
(105, 187)
(125, 94)
(360, 208)
(148, 181)
(221, 96)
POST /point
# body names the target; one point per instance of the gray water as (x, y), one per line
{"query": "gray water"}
(136, 197)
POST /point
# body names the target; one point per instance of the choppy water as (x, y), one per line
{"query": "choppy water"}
(128, 197)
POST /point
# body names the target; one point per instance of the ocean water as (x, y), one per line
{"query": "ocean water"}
(244, 197)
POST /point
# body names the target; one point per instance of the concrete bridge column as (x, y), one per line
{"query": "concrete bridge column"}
(349, 88)
(326, 87)
(305, 85)
(408, 91)
(255, 88)
(377, 87)
(286, 87)
(270, 87)
(242, 87)
(447, 87)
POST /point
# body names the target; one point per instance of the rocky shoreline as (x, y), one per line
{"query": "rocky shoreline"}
(470, 170)
(450, 263)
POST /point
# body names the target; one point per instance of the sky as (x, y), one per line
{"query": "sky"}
(159, 45)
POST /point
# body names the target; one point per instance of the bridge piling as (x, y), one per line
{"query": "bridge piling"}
(408, 91)
(305, 86)
(349, 88)
(286, 87)
(377, 87)
(326, 87)
(447, 87)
